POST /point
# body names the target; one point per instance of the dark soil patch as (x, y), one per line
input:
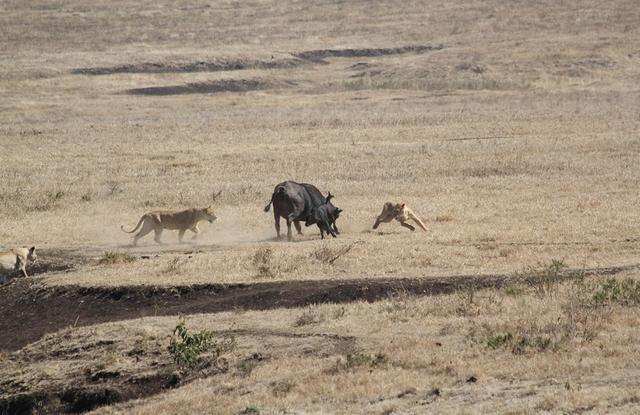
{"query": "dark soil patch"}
(199, 66)
(31, 310)
(95, 393)
(217, 65)
(44, 266)
(320, 54)
(227, 85)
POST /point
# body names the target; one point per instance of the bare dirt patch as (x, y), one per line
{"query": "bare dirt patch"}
(199, 66)
(217, 65)
(211, 87)
(84, 398)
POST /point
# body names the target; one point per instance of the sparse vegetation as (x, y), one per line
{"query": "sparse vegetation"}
(444, 218)
(624, 292)
(402, 81)
(262, 259)
(519, 343)
(309, 317)
(328, 255)
(282, 387)
(544, 277)
(270, 265)
(111, 258)
(187, 347)
(251, 410)
(361, 359)
(174, 266)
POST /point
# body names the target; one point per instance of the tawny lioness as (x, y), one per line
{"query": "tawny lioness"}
(15, 259)
(399, 212)
(181, 221)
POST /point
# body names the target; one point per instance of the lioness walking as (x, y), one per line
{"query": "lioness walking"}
(13, 260)
(181, 221)
(399, 212)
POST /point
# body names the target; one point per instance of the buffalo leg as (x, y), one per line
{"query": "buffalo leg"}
(298, 227)
(289, 235)
(335, 228)
(276, 218)
(158, 234)
(406, 225)
(195, 231)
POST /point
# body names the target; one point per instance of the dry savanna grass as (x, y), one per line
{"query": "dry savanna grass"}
(511, 129)
(572, 348)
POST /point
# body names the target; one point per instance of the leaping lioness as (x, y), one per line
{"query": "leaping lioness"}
(182, 221)
(399, 212)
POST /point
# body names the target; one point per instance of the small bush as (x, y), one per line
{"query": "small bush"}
(110, 258)
(186, 348)
(355, 360)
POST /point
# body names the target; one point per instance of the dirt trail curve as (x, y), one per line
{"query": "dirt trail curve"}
(30, 310)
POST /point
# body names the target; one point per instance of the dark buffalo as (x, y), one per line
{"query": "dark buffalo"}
(297, 202)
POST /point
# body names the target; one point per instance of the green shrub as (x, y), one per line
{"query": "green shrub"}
(354, 360)
(186, 348)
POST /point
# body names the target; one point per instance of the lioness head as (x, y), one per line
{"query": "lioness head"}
(391, 210)
(31, 255)
(397, 208)
(207, 214)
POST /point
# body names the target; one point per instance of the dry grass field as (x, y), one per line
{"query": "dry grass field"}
(511, 128)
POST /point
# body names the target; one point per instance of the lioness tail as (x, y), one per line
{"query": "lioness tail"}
(134, 229)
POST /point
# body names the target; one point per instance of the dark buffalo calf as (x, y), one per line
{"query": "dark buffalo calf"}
(296, 202)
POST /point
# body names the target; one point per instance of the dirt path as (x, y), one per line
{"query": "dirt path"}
(30, 310)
